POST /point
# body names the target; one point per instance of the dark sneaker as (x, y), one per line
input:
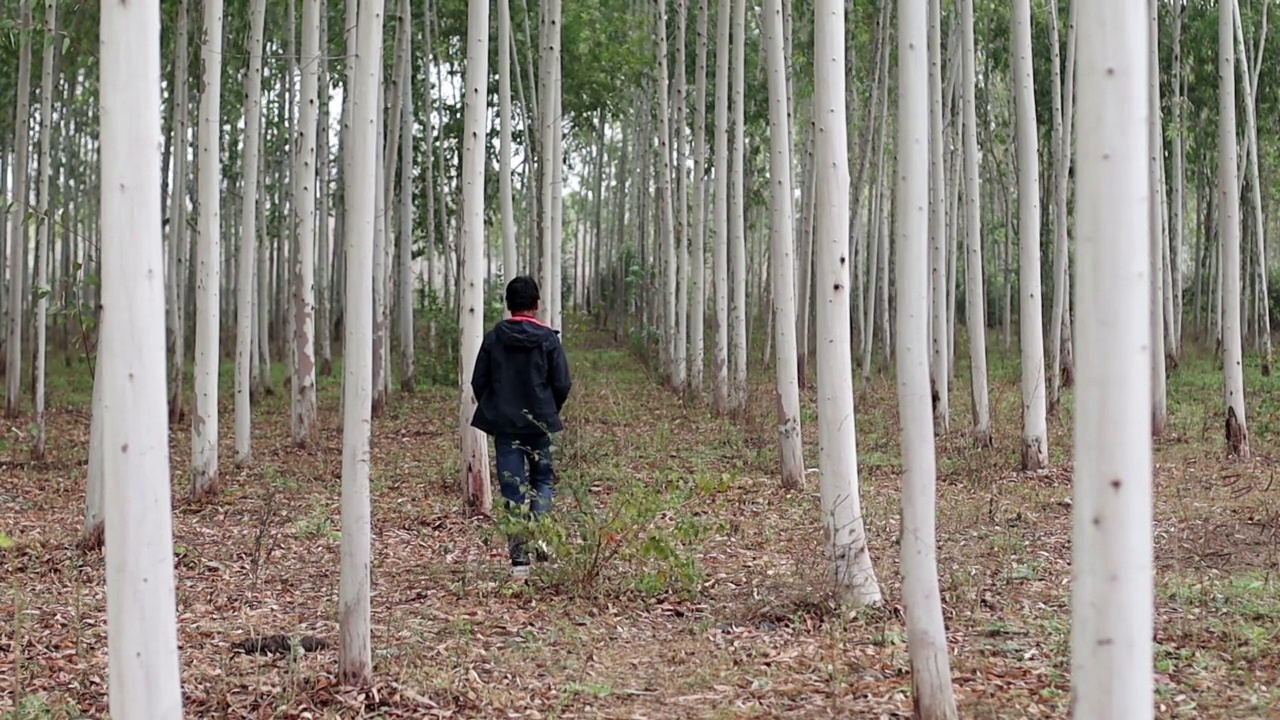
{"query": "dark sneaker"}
(520, 572)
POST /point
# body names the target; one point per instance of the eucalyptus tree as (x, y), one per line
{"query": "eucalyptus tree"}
(1112, 590)
(18, 214)
(142, 633)
(1229, 230)
(737, 213)
(922, 600)
(204, 436)
(1035, 431)
(404, 244)
(674, 367)
(975, 294)
(937, 227)
(510, 262)
(781, 262)
(698, 253)
(848, 557)
(43, 245)
(364, 47)
(477, 495)
(248, 236)
(720, 250)
(1155, 145)
(303, 395)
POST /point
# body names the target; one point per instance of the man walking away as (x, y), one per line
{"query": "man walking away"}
(521, 381)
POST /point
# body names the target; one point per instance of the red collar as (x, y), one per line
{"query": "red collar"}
(529, 318)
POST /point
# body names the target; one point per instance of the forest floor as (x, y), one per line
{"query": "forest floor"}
(687, 584)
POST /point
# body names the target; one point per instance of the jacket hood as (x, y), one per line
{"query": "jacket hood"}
(522, 332)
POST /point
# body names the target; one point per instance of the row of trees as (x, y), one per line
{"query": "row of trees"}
(608, 160)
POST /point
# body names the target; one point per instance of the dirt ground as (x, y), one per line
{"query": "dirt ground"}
(686, 584)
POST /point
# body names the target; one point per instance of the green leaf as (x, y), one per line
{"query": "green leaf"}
(6, 542)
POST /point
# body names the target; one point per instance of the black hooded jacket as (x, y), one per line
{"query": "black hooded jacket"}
(521, 379)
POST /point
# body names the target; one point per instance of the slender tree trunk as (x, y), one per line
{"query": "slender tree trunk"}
(1111, 592)
(18, 214)
(937, 194)
(934, 697)
(1035, 434)
(848, 557)
(1237, 433)
(92, 534)
(249, 234)
(1061, 172)
(780, 259)
(975, 294)
(510, 265)
(1155, 148)
(1176, 219)
(364, 46)
(304, 207)
(1251, 128)
(737, 213)
(404, 245)
(674, 367)
(142, 633)
(477, 497)
(43, 246)
(720, 251)
(324, 253)
(681, 181)
(204, 436)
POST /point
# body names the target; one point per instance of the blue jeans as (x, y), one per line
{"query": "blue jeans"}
(521, 486)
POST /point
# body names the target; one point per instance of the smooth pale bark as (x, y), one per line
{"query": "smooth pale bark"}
(304, 208)
(176, 261)
(477, 496)
(1155, 148)
(42, 289)
(404, 245)
(937, 258)
(1259, 223)
(142, 620)
(1176, 220)
(720, 250)
(737, 214)
(510, 263)
(204, 423)
(550, 128)
(1061, 168)
(92, 534)
(781, 261)
(249, 234)
(1035, 431)
(355, 658)
(975, 294)
(384, 186)
(1111, 588)
(1237, 433)
(934, 698)
(674, 370)
(18, 216)
(848, 557)
(681, 200)
(324, 252)
(698, 253)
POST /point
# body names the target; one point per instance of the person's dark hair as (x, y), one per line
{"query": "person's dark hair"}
(522, 294)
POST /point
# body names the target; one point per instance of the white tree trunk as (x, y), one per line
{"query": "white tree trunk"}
(737, 213)
(42, 289)
(922, 600)
(304, 209)
(249, 234)
(1176, 221)
(176, 262)
(975, 293)
(781, 262)
(355, 661)
(1229, 231)
(1061, 171)
(698, 254)
(681, 199)
(477, 496)
(940, 400)
(1259, 223)
(667, 227)
(91, 536)
(404, 244)
(1112, 594)
(720, 251)
(18, 215)
(1035, 431)
(510, 263)
(848, 557)
(1155, 148)
(142, 632)
(204, 435)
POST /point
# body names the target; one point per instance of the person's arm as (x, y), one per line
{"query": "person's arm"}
(558, 374)
(480, 374)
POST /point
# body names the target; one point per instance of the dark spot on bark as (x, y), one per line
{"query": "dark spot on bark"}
(1097, 521)
(1105, 642)
(1115, 484)
(124, 448)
